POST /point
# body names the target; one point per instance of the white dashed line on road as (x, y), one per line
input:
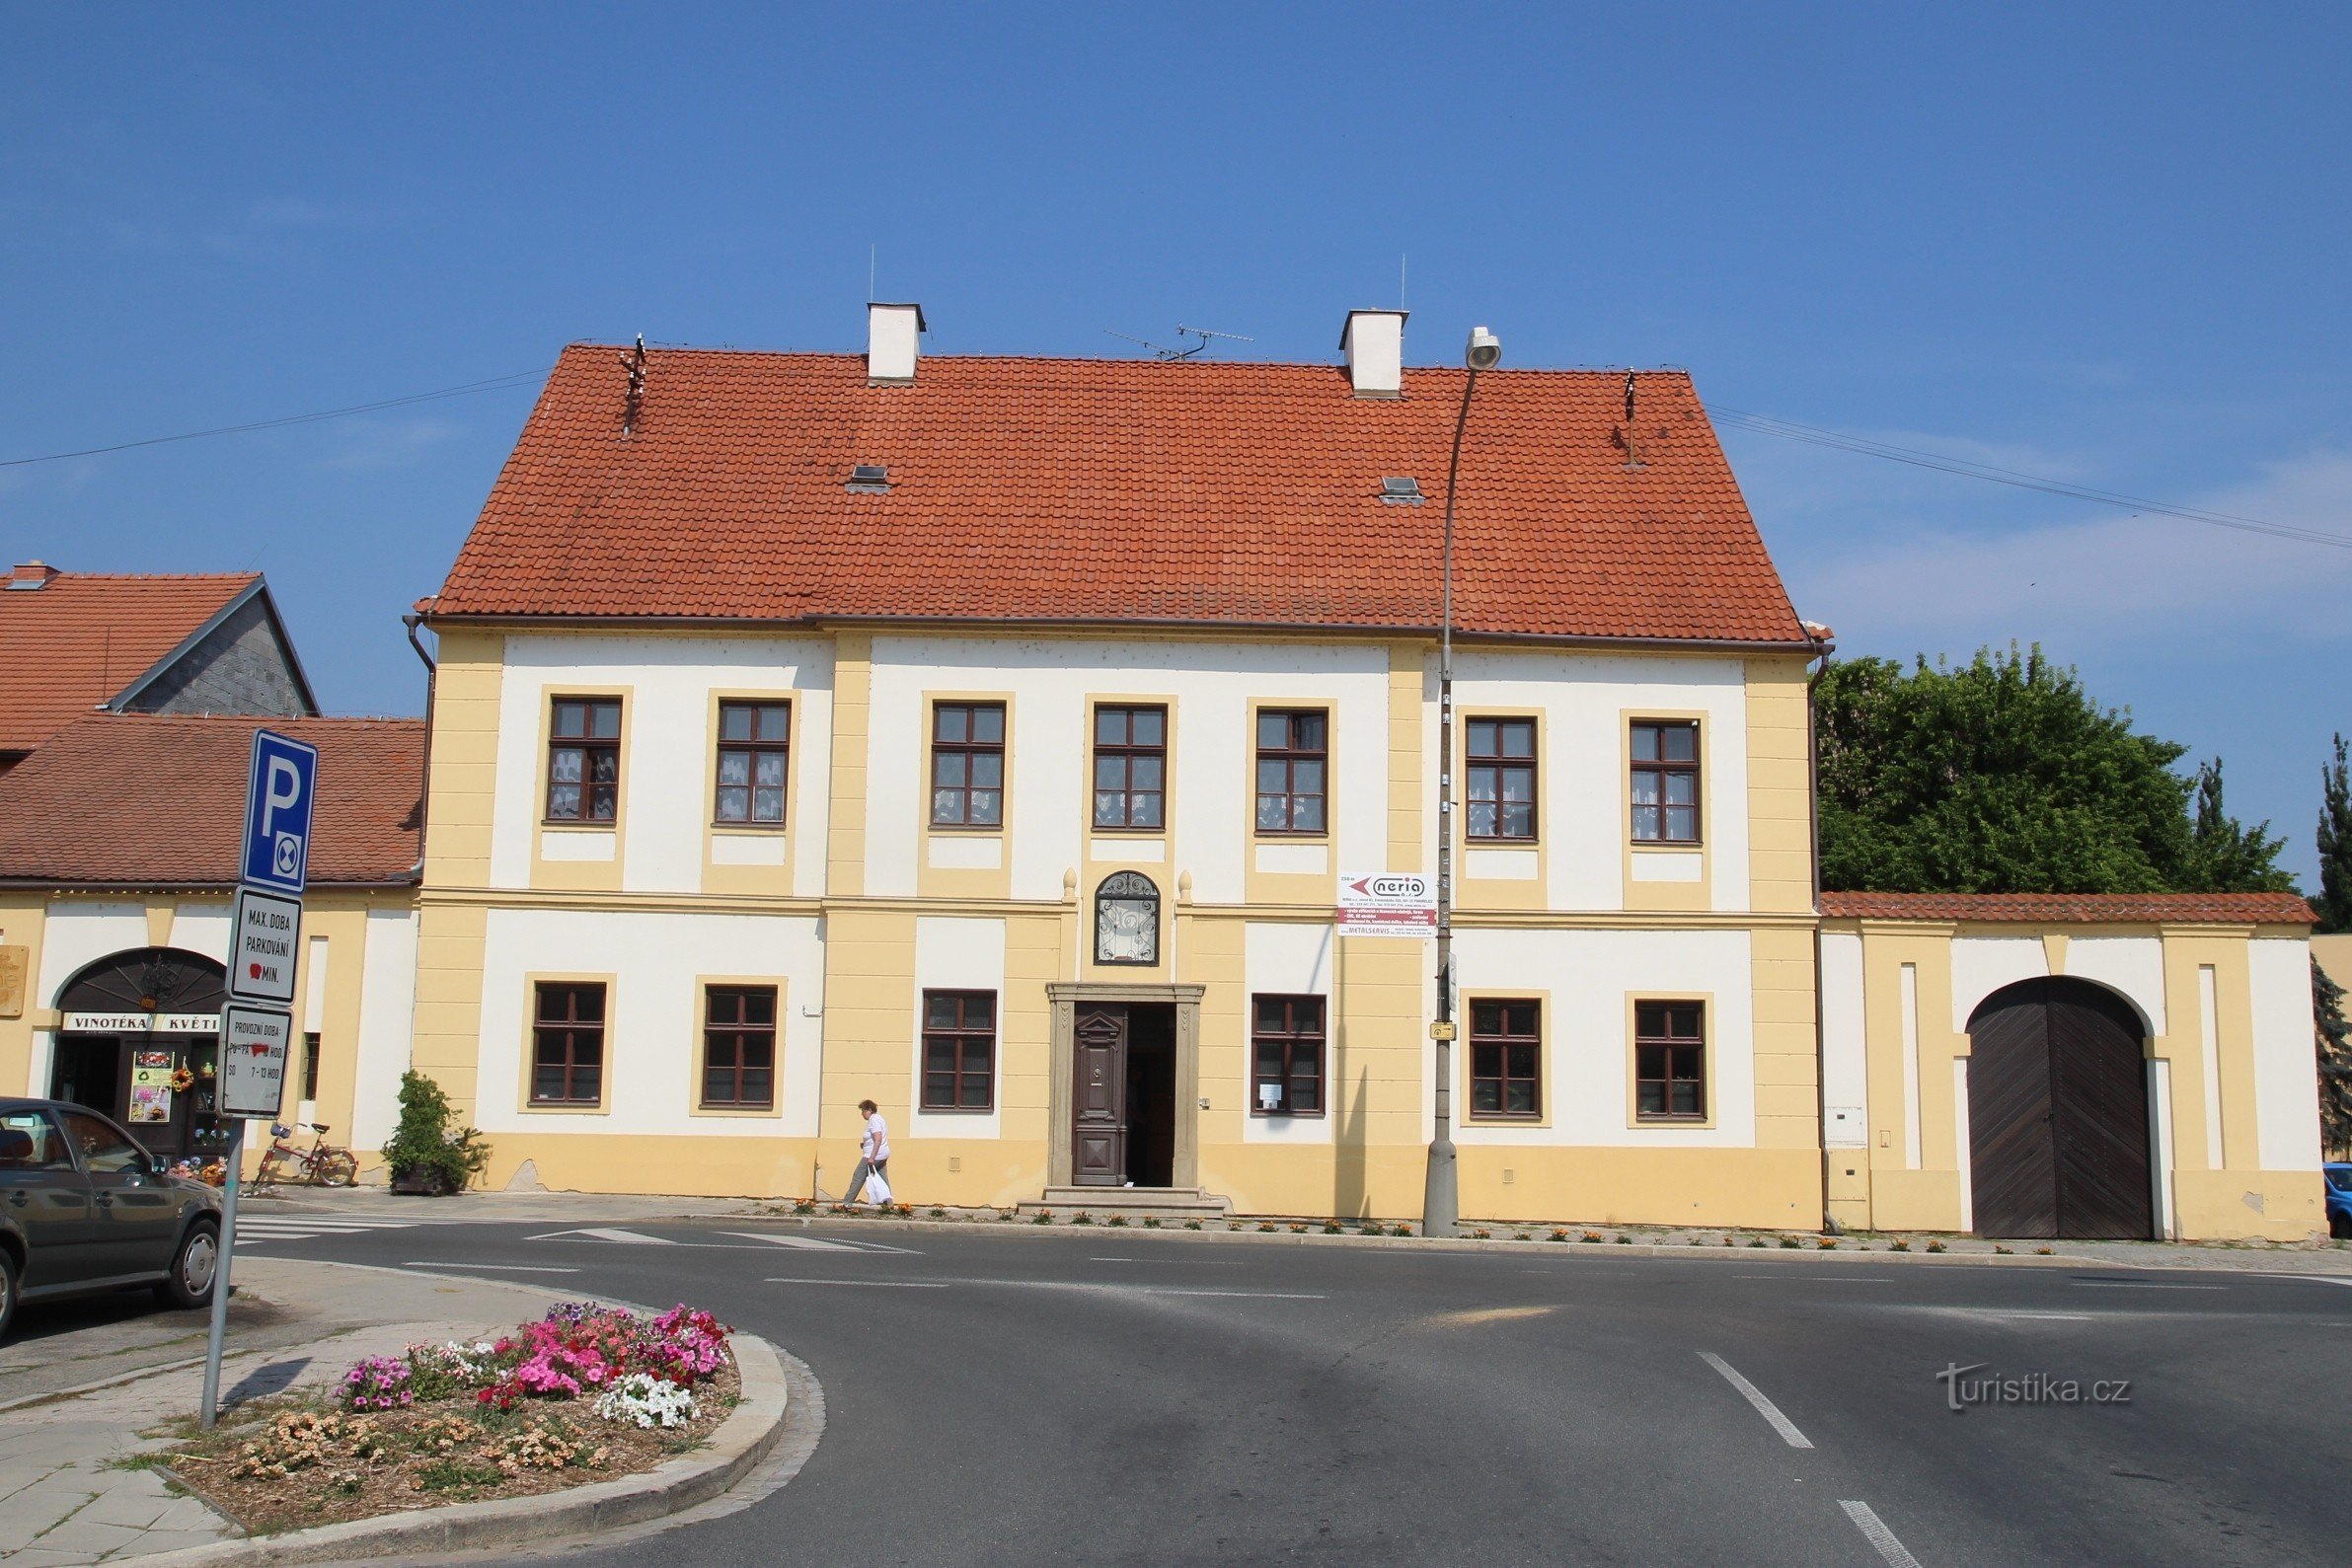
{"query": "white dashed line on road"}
(626, 1237)
(886, 1285)
(2143, 1285)
(1874, 1531)
(502, 1268)
(1755, 1396)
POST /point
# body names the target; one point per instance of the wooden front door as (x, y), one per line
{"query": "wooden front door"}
(1099, 1096)
(2058, 1115)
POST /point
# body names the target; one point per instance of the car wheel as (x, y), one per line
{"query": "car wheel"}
(337, 1170)
(8, 1293)
(2339, 1226)
(195, 1265)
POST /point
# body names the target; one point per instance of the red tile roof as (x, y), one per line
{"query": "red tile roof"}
(2041, 909)
(76, 642)
(1116, 490)
(155, 801)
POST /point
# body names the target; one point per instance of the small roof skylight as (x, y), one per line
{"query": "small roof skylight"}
(871, 479)
(1401, 490)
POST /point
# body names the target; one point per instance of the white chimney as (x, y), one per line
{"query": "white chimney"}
(892, 335)
(1374, 342)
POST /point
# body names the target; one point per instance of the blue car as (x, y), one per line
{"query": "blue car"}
(2339, 1201)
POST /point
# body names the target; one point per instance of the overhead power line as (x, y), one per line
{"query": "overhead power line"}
(469, 388)
(1839, 440)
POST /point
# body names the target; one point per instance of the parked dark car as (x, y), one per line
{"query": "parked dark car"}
(2339, 1200)
(83, 1208)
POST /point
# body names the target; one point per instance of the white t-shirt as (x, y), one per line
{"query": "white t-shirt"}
(876, 1145)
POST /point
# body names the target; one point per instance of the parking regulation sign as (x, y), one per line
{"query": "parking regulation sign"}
(252, 1060)
(263, 949)
(277, 812)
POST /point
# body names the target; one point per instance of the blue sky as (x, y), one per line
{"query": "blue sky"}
(2105, 244)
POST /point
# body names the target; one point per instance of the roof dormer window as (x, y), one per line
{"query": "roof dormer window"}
(870, 479)
(1401, 490)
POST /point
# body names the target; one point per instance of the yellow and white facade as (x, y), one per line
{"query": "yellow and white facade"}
(857, 905)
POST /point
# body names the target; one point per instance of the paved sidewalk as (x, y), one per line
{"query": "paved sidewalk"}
(70, 1489)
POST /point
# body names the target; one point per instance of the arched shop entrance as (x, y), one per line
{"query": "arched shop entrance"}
(140, 1039)
(2058, 1136)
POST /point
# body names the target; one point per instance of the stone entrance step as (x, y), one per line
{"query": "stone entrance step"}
(1183, 1203)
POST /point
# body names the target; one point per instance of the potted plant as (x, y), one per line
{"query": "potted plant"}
(427, 1156)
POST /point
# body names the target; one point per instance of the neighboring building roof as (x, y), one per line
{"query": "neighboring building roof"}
(1120, 491)
(2109, 909)
(71, 642)
(157, 801)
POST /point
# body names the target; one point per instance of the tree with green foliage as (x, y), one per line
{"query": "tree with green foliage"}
(2225, 856)
(2003, 776)
(2335, 903)
(2334, 1045)
(425, 1149)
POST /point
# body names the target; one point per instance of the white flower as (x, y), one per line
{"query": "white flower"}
(645, 1400)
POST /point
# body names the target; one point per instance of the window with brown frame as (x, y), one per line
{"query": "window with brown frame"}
(967, 765)
(310, 1066)
(958, 1050)
(568, 1044)
(1130, 767)
(1292, 778)
(1506, 1059)
(1665, 782)
(753, 738)
(584, 760)
(1670, 1061)
(739, 1047)
(1286, 1035)
(1501, 755)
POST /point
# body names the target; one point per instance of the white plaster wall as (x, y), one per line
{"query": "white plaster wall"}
(201, 927)
(1589, 1052)
(1208, 685)
(653, 1026)
(1844, 1061)
(1982, 965)
(1289, 960)
(1582, 773)
(2285, 1091)
(665, 773)
(956, 954)
(2133, 966)
(78, 933)
(387, 1011)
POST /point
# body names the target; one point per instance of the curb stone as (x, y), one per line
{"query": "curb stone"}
(741, 1442)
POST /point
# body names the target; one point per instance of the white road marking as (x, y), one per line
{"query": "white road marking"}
(253, 1228)
(1755, 1396)
(1843, 1279)
(2143, 1285)
(2316, 1278)
(630, 1237)
(502, 1268)
(1874, 1531)
(1101, 1288)
(809, 1243)
(2029, 1317)
(887, 1285)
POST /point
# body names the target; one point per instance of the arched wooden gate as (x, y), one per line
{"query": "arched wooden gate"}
(2058, 1115)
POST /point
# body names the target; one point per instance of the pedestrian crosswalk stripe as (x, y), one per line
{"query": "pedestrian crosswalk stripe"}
(630, 1237)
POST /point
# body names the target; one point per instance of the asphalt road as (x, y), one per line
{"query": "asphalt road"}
(1007, 1394)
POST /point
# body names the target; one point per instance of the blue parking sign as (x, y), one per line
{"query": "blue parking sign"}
(277, 801)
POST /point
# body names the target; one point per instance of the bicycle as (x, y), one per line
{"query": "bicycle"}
(322, 1164)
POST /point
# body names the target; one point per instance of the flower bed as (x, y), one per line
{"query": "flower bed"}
(583, 1395)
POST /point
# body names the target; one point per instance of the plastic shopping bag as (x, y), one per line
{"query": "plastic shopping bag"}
(878, 1187)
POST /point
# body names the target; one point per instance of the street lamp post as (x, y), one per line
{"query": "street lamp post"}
(1441, 1198)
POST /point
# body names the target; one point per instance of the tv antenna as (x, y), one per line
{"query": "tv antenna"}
(1162, 351)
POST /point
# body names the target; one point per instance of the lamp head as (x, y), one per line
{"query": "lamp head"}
(1484, 350)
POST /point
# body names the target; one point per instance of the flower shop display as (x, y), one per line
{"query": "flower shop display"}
(586, 1393)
